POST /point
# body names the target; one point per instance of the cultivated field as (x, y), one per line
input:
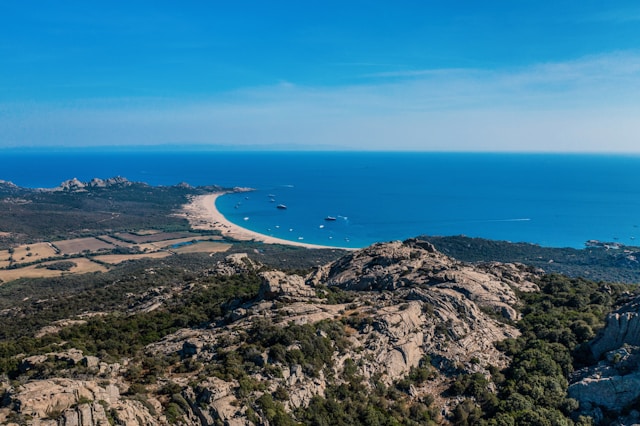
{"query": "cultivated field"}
(151, 238)
(147, 232)
(114, 259)
(203, 247)
(167, 244)
(27, 253)
(164, 244)
(116, 242)
(80, 245)
(83, 266)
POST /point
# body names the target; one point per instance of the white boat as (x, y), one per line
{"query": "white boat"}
(281, 206)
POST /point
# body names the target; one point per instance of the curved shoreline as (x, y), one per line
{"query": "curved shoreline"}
(201, 212)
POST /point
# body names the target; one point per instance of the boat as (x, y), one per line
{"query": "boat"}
(330, 218)
(281, 206)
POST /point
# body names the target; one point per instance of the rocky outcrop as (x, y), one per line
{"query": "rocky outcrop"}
(63, 402)
(75, 185)
(392, 306)
(416, 263)
(410, 302)
(7, 184)
(287, 288)
(237, 263)
(213, 401)
(623, 327)
(71, 185)
(613, 383)
(70, 357)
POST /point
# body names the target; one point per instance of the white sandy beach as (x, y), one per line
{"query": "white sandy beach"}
(202, 213)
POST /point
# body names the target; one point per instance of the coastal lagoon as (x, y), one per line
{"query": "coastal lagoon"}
(551, 200)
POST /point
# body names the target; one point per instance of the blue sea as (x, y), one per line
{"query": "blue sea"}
(551, 200)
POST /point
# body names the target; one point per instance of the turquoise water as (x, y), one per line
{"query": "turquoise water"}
(552, 200)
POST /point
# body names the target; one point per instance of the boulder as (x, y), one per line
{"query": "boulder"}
(613, 383)
(623, 327)
(280, 286)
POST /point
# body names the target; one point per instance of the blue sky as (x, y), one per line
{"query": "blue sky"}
(412, 75)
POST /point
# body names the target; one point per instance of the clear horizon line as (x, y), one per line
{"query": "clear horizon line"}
(291, 148)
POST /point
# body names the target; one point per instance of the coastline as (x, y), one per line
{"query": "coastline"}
(202, 214)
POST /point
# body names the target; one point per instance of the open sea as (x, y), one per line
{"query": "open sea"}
(551, 200)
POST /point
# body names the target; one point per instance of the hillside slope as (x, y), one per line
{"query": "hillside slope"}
(396, 333)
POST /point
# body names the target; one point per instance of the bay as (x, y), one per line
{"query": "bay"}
(552, 200)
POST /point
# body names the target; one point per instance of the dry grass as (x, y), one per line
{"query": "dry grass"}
(166, 244)
(79, 245)
(4, 258)
(32, 253)
(114, 259)
(169, 243)
(83, 266)
(203, 247)
(147, 232)
(158, 245)
(152, 238)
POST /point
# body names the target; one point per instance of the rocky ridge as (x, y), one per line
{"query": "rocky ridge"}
(75, 185)
(406, 303)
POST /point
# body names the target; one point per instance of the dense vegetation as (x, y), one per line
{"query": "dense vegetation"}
(532, 390)
(119, 334)
(29, 304)
(556, 323)
(596, 263)
(35, 215)
(352, 402)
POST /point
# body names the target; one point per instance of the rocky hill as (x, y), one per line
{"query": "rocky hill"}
(410, 303)
(75, 185)
(396, 333)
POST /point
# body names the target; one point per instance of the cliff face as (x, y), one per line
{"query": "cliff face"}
(623, 328)
(376, 313)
